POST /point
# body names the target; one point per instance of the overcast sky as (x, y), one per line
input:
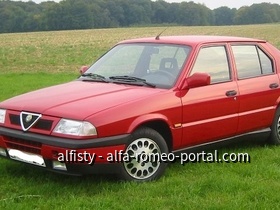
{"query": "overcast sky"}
(212, 4)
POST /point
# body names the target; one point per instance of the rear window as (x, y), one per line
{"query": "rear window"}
(251, 61)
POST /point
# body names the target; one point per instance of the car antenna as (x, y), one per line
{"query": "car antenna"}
(157, 37)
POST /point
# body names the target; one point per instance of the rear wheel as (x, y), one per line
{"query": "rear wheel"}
(275, 129)
(144, 149)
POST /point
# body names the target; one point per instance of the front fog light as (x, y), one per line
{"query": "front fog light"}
(3, 152)
(59, 166)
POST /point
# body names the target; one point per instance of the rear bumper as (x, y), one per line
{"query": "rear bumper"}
(100, 155)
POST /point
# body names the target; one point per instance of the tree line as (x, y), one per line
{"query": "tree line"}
(89, 14)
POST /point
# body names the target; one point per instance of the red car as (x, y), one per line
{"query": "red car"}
(144, 97)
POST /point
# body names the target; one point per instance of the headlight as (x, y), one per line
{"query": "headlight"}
(2, 115)
(75, 128)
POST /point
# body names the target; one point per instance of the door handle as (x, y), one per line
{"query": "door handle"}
(273, 86)
(231, 93)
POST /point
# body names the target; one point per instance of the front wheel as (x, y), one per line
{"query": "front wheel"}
(275, 129)
(144, 149)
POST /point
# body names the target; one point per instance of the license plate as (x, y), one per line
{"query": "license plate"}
(26, 157)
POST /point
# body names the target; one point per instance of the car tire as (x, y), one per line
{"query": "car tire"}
(143, 165)
(275, 129)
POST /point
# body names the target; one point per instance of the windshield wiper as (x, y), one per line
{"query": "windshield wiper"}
(130, 79)
(94, 77)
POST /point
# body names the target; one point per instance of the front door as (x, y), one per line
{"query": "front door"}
(211, 112)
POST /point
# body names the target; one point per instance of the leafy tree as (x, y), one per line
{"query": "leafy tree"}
(224, 16)
(12, 17)
(85, 14)
(193, 14)
(258, 13)
(70, 14)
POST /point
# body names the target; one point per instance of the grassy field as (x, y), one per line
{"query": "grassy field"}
(29, 61)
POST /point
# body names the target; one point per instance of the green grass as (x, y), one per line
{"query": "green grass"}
(29, 61)
(13, 84)
(193, 186)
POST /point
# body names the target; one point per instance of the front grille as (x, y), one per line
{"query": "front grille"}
(15, 119)
(41, 124)
(23, 145)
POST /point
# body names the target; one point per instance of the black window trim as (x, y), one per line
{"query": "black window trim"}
(269, 57)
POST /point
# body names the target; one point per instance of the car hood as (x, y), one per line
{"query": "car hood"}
(77, 99)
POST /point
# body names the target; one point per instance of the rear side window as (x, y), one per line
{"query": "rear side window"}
(213, 60)
(251, 61)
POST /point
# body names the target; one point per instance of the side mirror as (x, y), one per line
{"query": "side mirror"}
(83, 69)
(197, 80)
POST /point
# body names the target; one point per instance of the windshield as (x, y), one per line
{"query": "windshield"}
(156, 64)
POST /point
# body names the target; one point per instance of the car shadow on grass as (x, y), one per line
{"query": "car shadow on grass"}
(13, 169)
(241, 143)
(26, 172)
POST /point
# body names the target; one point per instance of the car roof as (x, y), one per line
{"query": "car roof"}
(192, 40)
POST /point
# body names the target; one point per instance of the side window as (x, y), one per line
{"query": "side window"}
(214, 61)
(266, 63)
(251, 61)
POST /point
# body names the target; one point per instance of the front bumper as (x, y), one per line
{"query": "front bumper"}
(106, 151)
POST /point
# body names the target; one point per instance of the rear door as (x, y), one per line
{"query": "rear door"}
(211, 112)
(258, 86)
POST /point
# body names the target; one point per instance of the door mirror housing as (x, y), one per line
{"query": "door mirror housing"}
(197, 80)
(83, 69)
